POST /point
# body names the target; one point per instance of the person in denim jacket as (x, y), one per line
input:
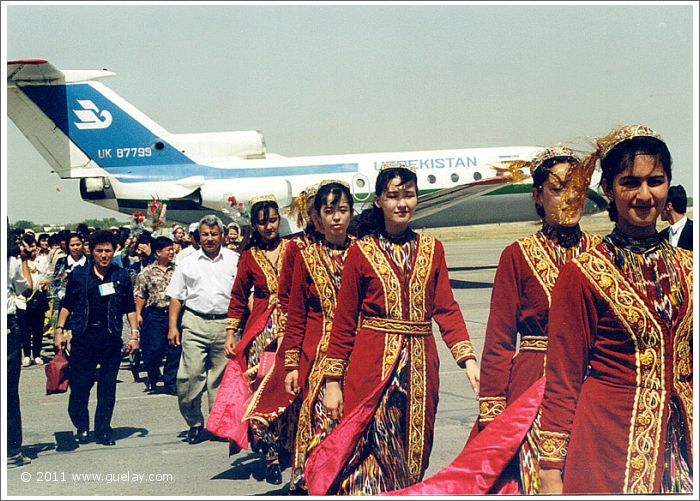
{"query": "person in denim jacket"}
(97, 297)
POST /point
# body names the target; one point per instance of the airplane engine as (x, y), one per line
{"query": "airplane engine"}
(96, 188)
(211, 147)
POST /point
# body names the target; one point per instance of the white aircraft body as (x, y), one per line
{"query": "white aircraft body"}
(124, 159)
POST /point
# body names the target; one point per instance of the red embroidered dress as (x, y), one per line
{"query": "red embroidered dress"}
(516, 342)
(382, 344)
(262, 326)
(617, 412)
(312, 303)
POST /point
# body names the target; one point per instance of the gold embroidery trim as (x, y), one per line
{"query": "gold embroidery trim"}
(390, 283)
(394, 326)
(463, 350)
(533, 343)
(392, 297)
(682, 352)
(490, 407)
(419, 278)
(540, 262)
(553, 446)
(271, 276)
(327, 297)
(233, 323)
(417, 394)
(647, 336)
(334, 367)
(291, 359)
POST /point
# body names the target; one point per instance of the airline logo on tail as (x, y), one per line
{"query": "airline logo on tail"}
(89, 118)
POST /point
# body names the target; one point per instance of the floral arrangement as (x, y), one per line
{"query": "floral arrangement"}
(136, 223)
(157, 211)
(235, 209)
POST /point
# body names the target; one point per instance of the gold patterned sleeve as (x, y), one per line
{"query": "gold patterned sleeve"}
(291, 359)
(489, 408)
(232, 323)
(553, 446)
(333, 368)
(463, 351)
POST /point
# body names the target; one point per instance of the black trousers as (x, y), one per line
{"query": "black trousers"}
(31, 322)
(93, 349)
(154, 345)
(14, 363)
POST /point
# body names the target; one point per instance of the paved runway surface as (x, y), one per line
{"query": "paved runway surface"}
(151, 457)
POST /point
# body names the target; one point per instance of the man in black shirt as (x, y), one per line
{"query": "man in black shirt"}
(97, 296)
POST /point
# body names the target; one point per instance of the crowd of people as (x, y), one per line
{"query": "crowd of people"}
(321, 345)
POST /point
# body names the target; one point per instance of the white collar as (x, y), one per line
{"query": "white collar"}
(203, 255)
(72, 262)
(678, 226)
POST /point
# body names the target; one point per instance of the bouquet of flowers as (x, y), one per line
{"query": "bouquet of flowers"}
(235, 210)
(136, 223)
(157, 210)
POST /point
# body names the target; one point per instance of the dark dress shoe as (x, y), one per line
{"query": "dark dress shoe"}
(169, 390)
(82, 436)
(105, 439)
(274, 474)
(195, 435)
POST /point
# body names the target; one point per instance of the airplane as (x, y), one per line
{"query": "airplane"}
(124, 160)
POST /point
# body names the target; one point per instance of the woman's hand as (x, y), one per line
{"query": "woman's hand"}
(472, 372)
(230, 343)
(550, 481)
(333, 400)
(291, 382)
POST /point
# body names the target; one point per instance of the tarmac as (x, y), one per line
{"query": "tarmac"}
(151, 457)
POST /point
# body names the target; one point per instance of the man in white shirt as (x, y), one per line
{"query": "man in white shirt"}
(201, 283)
(680, 233)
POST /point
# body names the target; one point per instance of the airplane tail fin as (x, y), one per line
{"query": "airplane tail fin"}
(79, 125)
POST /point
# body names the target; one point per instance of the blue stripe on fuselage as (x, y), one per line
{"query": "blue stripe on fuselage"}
(103, 131)
(159, 173)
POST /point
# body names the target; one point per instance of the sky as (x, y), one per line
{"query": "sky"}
(336, 78)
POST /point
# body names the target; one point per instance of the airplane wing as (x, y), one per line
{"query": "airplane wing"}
(444, 199)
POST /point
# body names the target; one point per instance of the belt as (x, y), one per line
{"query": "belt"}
(207, 316)
(397, 326)
(160, 309)
(533, 343)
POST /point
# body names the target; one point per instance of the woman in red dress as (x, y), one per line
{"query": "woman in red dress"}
(381, 368)
(271, 405)
(617, 411)
(312, 303)
(258, 271)
(307, 217)
(521, 294)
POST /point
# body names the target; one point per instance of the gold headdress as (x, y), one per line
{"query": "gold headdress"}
(262, 198)
(623, 133)
(300, 205)
(331, 181)
(558, 150)
(395, 165)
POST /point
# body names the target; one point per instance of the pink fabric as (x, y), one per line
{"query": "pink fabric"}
(226, 415)
(327, 460)
(480, 464)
